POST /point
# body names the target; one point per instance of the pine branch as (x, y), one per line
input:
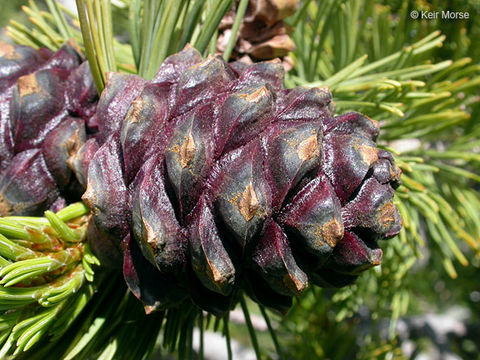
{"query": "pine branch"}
(47, 275)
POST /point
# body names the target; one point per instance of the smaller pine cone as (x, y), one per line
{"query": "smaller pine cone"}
(263, 34)
(45, 101)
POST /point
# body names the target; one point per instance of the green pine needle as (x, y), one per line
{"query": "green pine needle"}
(251, 329)
(242, 7)
(63, 230)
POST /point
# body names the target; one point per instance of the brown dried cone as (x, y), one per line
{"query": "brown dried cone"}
(45, 100)
(263, 34)
(213, 179)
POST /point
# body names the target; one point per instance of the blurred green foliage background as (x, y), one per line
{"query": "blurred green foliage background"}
(11, 10)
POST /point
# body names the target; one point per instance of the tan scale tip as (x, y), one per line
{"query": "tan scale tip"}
(216, 275)
(294, 283)
(149, 309)
(6, 207)
(137, 106)
(28, 84)
(308, 148)
(8, 51)
(187, 151)
(369, 153)
(330, 232)
(256, 95)
(386, 214)
(248, 204)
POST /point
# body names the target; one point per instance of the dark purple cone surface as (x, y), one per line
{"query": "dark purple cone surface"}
(222, 180)
(46, 100)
